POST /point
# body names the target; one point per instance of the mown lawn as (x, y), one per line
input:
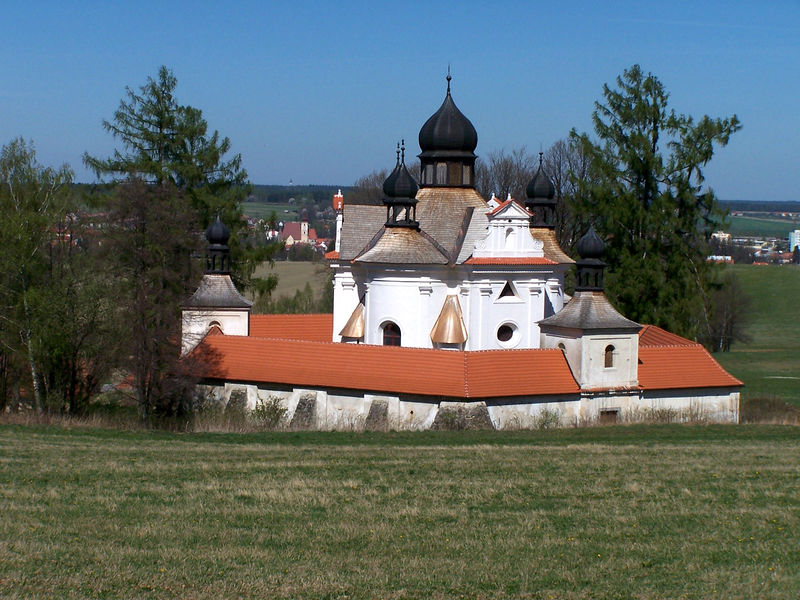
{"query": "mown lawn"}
(762, 227)
(616, 512)
(769, 363)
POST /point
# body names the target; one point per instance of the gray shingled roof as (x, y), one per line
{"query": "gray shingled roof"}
(403, 245)
(589, 311)
(217, 291)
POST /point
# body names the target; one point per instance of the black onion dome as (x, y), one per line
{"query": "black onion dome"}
(218, 233)
(540, 186)
(448, 129)
(400, 184)
(590, 245)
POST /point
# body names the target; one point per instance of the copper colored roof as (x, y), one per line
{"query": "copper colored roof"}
(354, 328)
(449, 327)
(650, 335)
(332, 255)
(680, 367)
(317, 328)
(551, 248)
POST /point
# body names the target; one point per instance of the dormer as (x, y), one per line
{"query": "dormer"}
(508, 234)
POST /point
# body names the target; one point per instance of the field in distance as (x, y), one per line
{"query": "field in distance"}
(762, 226)
(769, 364)
(293, 276)
(608, 512)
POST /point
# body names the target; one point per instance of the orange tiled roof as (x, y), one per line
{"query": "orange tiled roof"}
(387, 368)
(650, 335)
(332, 255)
(296, 350)
(686, 366)
(318, 328)
(522, 260)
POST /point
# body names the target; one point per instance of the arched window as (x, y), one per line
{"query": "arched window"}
(609, 362)
(391, 334)
(510, 237)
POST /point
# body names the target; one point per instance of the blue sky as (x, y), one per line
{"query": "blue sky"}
(320, 92)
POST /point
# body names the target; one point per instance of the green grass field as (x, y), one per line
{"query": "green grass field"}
(770, 363)
(762, 227)
(614, 512)
(262, 210)
(293, 276)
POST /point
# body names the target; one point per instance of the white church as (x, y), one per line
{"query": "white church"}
(450, 311)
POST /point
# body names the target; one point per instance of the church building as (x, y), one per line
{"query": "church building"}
(450, 309)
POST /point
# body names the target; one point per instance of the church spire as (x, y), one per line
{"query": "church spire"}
(541, 198)
(590, 266)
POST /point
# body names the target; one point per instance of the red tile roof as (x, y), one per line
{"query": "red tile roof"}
(292, 228)
(387, 368)
(650, 335)
(524, 260)
(296, 350)
(673, 367)
(332, 255)
(318, 328)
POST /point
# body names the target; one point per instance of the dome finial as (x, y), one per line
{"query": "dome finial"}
(397, 164)
(448, 79)
(403, 151)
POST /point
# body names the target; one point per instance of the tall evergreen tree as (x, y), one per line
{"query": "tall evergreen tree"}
(646, 192)
(164, 141)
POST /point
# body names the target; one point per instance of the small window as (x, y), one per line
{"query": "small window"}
(391, 334)
(466, 175)
(453, 174)
(609, 416)
(609, 360)
(441, 173)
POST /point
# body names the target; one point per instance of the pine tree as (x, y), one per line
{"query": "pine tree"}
(646, 193)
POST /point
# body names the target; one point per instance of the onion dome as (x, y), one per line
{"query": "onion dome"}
(540, 186)
(400, 190)
(590, 245)
(590, 266)
(541, 198)
(448, 130)
(217, 233)
(217, 254)
(448, 141)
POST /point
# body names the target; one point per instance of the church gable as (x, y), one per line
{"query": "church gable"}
(508, 234)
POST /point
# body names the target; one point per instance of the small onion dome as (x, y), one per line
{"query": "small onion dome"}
(400, 184)
(448, 129)
(217, 233)
(590, 245)
(540, 186)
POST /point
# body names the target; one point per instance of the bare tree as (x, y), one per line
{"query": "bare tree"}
(566, 165)
(504, 173)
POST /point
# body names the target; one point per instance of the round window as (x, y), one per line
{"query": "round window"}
(505, 333)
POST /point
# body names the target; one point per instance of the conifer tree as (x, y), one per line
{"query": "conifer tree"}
(646, 193)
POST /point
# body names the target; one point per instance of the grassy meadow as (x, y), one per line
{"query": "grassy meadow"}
(769, 363)
(762, 226)
(293, 276)
(609, 512)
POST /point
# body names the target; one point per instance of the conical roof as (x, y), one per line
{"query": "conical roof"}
(218, 233)
(540, 186)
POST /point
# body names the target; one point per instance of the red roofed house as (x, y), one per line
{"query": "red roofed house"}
(446, 304)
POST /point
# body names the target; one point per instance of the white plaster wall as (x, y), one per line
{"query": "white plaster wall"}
(348, 409)
(345, 299)
(594, 373)
(195, 324)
